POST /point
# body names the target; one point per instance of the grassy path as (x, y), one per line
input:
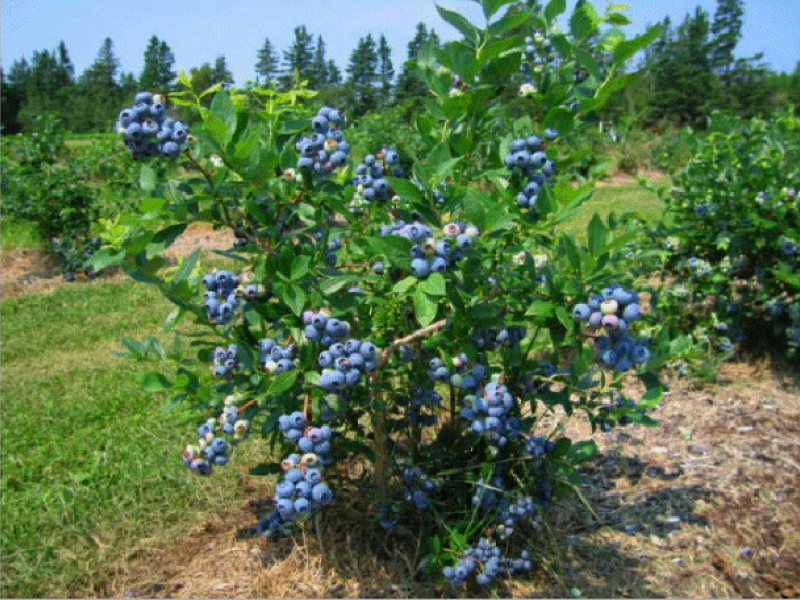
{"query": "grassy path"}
(90, 462)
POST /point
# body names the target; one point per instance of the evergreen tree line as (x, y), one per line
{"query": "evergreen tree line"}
(690, 71)
(47, 83)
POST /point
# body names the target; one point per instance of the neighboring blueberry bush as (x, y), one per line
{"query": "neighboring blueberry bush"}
(734, 224)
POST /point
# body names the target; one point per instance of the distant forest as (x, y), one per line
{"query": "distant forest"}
(690, 71)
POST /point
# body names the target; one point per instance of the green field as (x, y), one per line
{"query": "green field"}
(91, 464)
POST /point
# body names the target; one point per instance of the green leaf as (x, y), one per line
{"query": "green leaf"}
(625, 50)
(405, 284)
(434, 285)
(154, 382)
(332, 285)
(406, 189)
(651, 397)
(186, 268)
(148, 180)
(617, 19)
(490, 7)
(425, 307)
(560, 118)
(299, 267)
(224, 118)
(598, 236)
(565, 318)
(295, 298)
(105, 258)
(282, 382)
(541, 308)
(165, 238)
(394, 247)
(581, 452)
(457, 20)
(553, 9)
(581, 22)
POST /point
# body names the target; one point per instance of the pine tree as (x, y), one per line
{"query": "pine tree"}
(159, 60)
(98, 97)
(12, 96)
(318, 72)
(363, 75)
(726, 30)
(385, 67)
(267, 65)
(409, 84)
(684, 86)
(220, 73)
(297, 59)
(334, 74)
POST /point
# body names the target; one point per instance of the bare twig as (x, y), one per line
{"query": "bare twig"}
(419, 333)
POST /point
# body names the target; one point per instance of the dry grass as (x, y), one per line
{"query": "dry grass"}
(707, 505)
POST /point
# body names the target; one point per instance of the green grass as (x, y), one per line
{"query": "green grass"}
(18, 234)
(618, 198)
(90, 462)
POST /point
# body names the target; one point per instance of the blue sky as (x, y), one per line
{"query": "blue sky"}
(200, 30)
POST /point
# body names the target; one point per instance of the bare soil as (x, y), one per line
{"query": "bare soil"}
(26, 270)
(706, 505)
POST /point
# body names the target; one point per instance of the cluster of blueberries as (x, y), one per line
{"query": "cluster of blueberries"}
(512, 513)
(486, 562)
(344, 361)
(429, 254)
(464, 378)
(494, 337)
(536, 383)
(320, 327)
(489, 414)
(538, 52)
(225, 361)
(302, 490)
(528, 155)
(276, 358)
(212, 449)
(613, 309)
(370, 180)
(538, 445)
(334, 245)
(326, 148)
(225, 292)
(417, 487)
(698, 267)
(420, 407)
(147, 130)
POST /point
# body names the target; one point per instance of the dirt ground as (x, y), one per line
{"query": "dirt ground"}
(26, 270)
(706, 505)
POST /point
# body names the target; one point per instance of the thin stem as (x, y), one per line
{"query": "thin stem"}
(420, 333)
(242, 233)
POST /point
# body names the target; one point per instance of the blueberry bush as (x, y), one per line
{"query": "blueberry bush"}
(39, 186)
(64, 192)
(420, 314)
(730, 245)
